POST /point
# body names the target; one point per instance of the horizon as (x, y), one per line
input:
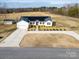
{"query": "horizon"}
(34, 3)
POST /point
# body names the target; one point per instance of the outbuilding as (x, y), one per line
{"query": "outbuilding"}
(22, 25)
(9, 21)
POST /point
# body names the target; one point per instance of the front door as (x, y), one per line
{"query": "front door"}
(37, 22)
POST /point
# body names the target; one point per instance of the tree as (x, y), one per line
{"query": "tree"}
(60, 11)
(73, 11)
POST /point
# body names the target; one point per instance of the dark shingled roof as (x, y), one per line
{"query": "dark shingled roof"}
(9, 20)
(34, 18)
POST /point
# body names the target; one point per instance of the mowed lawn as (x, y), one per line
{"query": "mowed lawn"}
(49, 41)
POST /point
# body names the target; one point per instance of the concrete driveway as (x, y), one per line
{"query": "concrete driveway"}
(14, 39)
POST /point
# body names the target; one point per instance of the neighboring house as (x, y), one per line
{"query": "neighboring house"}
(9, 21)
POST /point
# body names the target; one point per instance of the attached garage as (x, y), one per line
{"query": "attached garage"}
(22, 25)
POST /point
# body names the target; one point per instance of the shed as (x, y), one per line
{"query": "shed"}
(22, 25)
(9, 21)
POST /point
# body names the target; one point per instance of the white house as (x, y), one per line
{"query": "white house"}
(38, 20)
(25, 21)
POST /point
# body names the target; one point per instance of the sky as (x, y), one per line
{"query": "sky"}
(34, 3)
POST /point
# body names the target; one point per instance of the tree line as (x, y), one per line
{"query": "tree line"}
(72, 11)
(68, 10)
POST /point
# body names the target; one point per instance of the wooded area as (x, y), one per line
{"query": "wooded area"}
(68, 10)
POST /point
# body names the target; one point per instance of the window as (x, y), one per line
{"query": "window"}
(48, 23)
(33, 22)
(41, 22)
(30, 22)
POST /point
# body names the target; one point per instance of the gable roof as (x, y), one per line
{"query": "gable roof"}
(35, 18)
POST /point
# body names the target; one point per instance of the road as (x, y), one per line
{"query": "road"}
(38, 53)
(14, 39)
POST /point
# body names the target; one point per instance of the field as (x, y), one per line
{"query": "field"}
(6, 30)
(68, 22)
(49, 40)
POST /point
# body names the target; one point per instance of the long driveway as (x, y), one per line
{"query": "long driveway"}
(14, 39)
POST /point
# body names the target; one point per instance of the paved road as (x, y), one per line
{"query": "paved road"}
(14, 39)
(38, 53)
(70, 33)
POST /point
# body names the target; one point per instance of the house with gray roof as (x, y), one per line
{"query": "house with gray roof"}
(38, 20)
(25, 21)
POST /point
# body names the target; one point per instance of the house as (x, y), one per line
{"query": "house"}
(25, 21)
(9, 21)
(38, 20)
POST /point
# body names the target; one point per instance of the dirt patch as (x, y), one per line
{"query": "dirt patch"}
(49, 41)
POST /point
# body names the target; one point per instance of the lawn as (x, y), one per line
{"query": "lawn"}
(49, 41)
(6, 30)
(69, 22)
